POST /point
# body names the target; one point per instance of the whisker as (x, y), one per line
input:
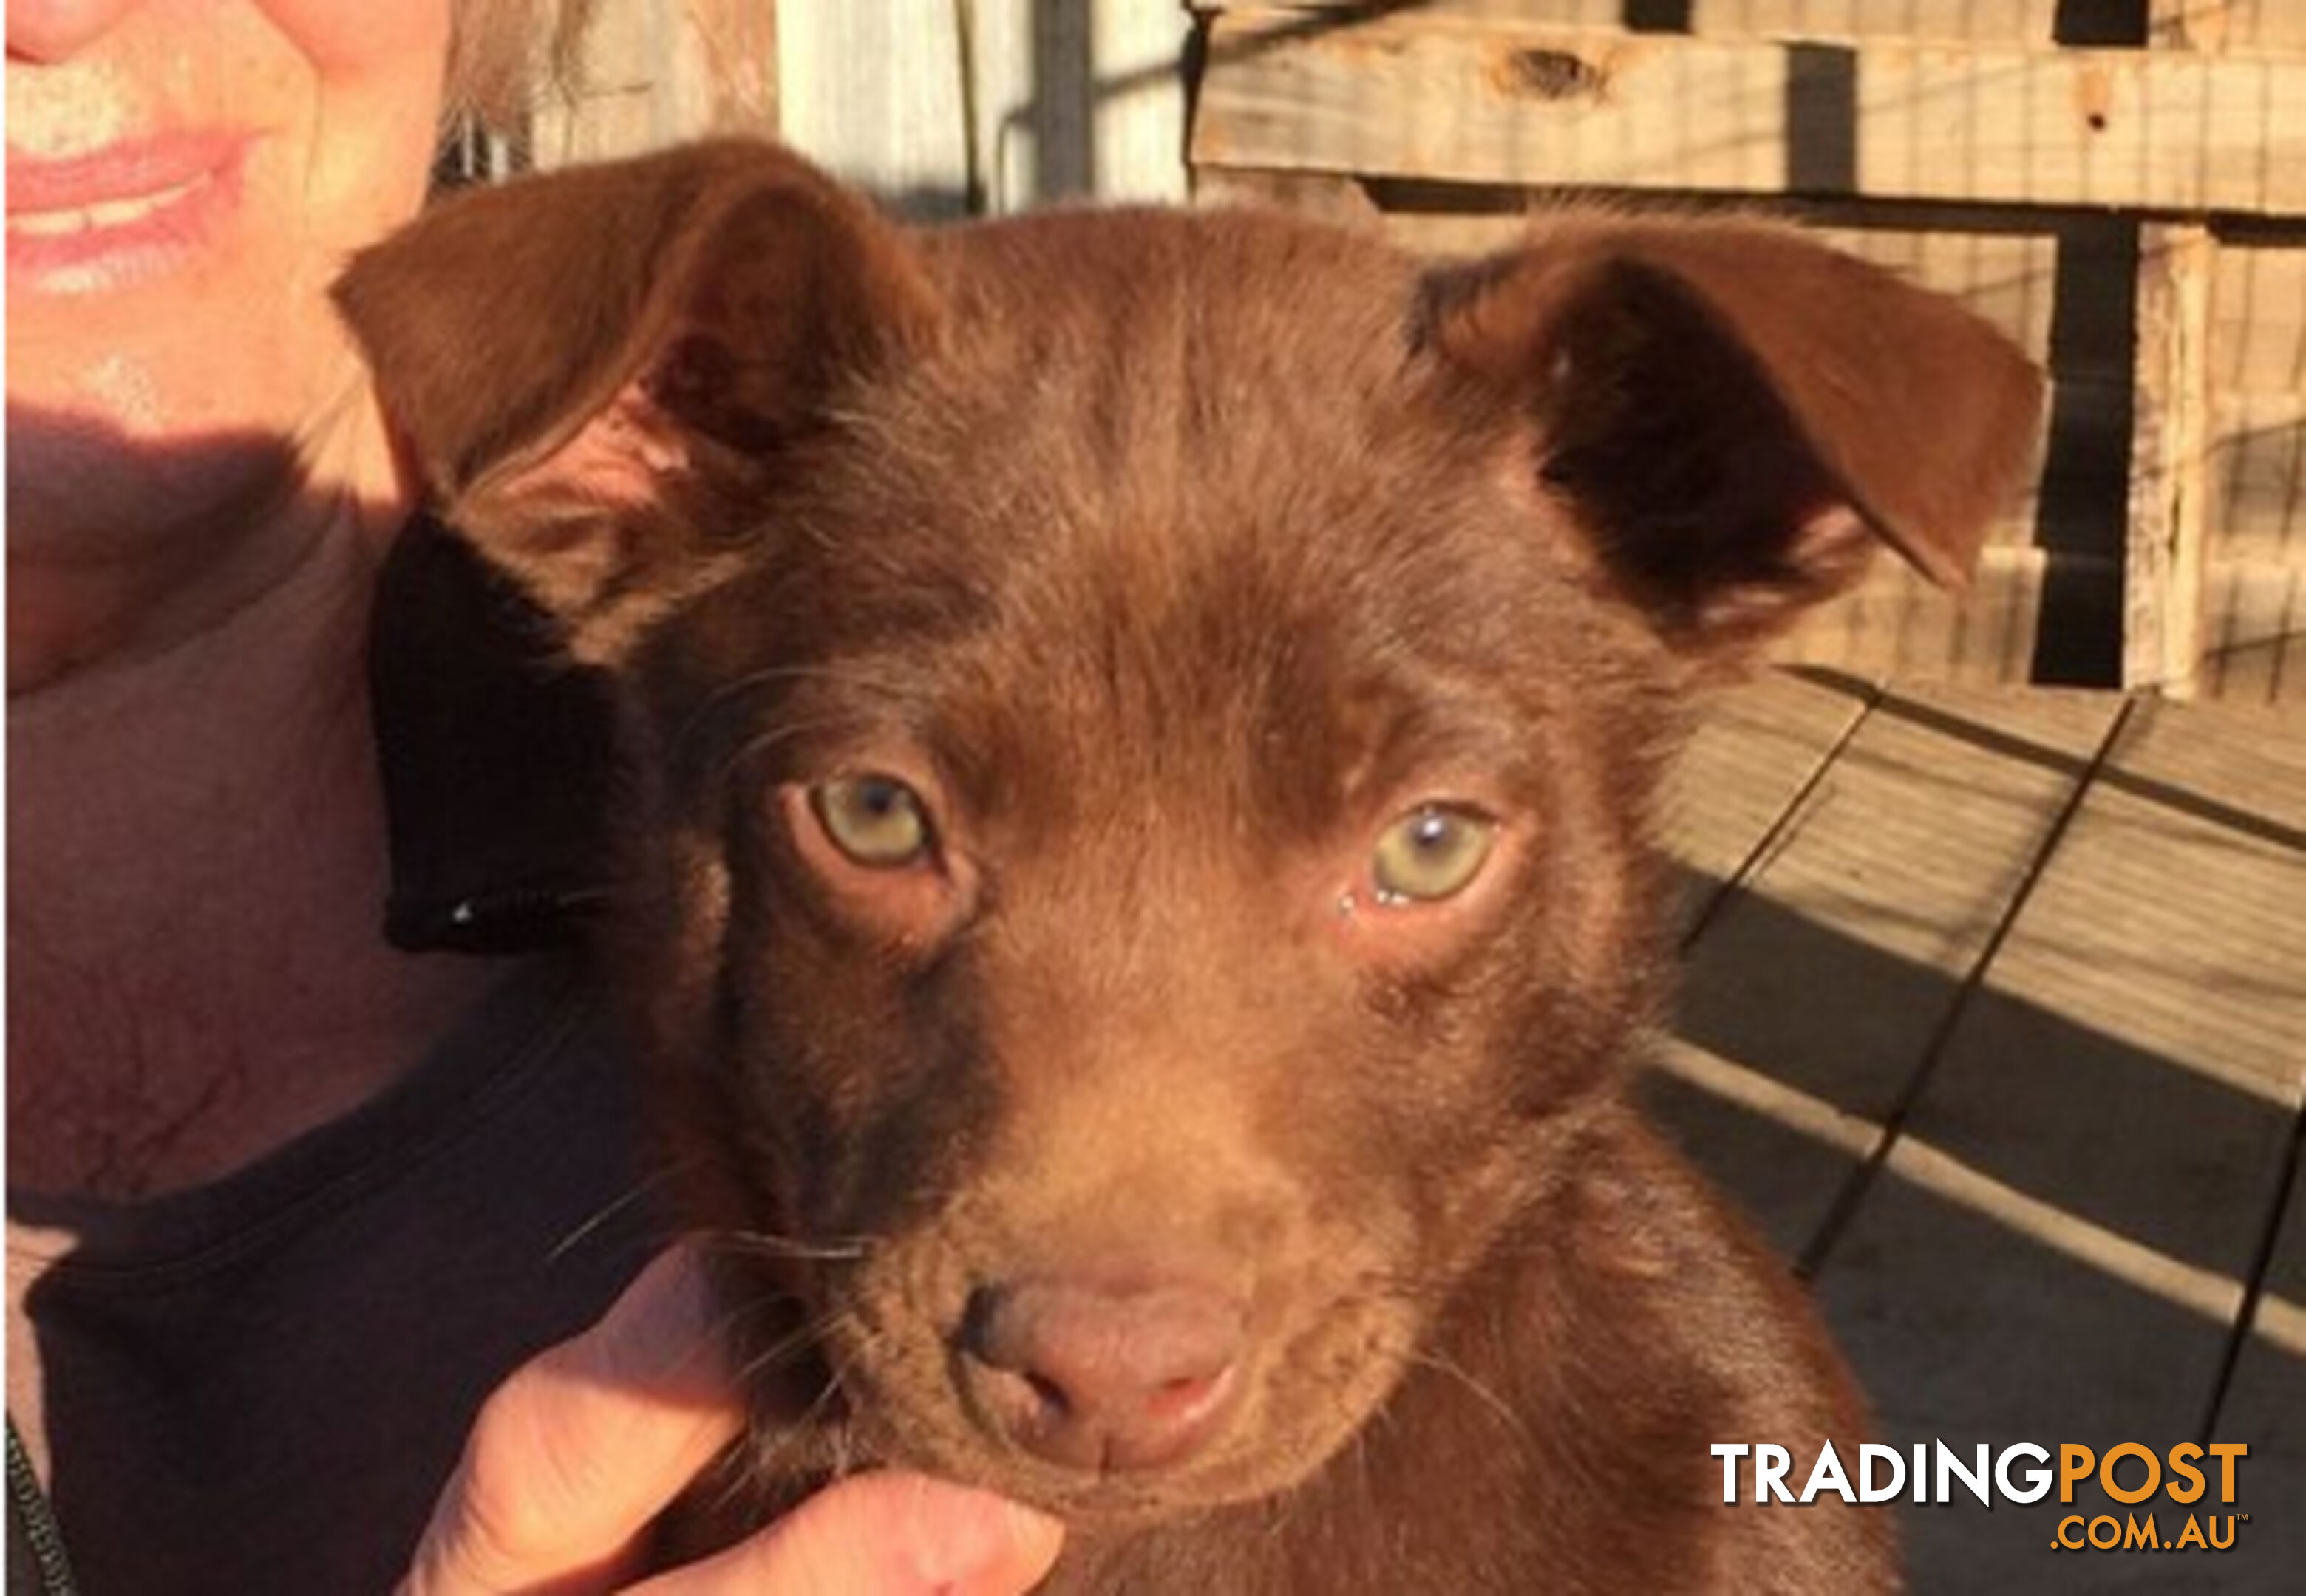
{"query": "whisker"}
(733, 1317)
(836, 674)
(769, 1451)
(760, 1243)
(616, 1206)
(1497, 1404)
(785, 1346)
(773, 737)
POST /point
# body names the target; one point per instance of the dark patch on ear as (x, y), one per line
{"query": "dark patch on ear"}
(1736, 413)
(1660, 429)
(798, 289)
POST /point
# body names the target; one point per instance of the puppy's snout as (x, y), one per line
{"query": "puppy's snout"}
(1105, 1378)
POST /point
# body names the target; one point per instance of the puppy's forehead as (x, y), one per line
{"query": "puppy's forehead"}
(1220, 427)
(1174, 499)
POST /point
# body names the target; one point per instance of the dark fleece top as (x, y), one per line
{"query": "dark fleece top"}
(260, 1385)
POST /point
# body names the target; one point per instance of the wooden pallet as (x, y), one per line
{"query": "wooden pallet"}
(2136, 217)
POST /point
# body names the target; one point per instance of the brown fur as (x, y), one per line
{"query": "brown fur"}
(1169, 557)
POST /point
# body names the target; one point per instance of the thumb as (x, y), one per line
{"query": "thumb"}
(886, 1533)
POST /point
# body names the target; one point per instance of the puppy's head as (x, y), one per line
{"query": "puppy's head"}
(1142, 725)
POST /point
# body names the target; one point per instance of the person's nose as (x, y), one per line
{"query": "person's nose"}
(47, 31)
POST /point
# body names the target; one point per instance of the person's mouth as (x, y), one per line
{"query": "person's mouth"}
(118, 216)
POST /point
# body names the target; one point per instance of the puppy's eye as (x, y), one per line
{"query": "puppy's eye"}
(1433, 852)
(878, 821)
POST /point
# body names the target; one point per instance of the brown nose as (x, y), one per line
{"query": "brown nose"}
(1111, 1379)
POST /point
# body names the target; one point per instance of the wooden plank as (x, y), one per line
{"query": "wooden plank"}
(2098, 1144)
(1972, 20)
(2254, 649)
(1137, 48)
(2254, 587)
(1818, 987)
(876, 93)
(1894, 624)
(601, 126)
(1753, 751)
(1031, 104)
(651, 72)
(1437, 97)
(2257, 313)
(2030, 21)
(1583, 13)
(610, 108)
(2169, 922)
(735, 57)
(2242, 768)
(2258, 466)
(2171, 480)
(1326, 196)
(2260, 24)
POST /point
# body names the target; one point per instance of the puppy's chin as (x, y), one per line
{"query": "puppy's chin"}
(1307, 1393)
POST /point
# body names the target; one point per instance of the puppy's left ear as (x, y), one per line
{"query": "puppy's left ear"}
(1734, 413)
(606, 374)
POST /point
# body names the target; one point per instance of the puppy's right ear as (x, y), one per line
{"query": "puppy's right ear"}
(601, 372)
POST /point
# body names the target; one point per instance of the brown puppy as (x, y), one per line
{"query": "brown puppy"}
(1141, 727)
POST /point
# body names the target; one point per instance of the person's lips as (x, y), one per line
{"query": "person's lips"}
(119, 214)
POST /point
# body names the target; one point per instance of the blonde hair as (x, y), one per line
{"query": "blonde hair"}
(502, 53)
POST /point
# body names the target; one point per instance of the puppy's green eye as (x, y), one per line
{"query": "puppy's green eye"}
(878, 821)
(1433, 852)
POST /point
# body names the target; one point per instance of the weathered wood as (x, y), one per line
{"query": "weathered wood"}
(735, 46)
(2254, 593)
(1329, 196)
(1080, 100)
(2101, 1142)
(2258, 314)
(2258, 462)
(2170, 476)
(1895, 625)
(1492, 101)
(1032, 103)
(2257, 24)
(1849, 945)
(1971, 20)
(1000, 104)
(2061, 1237)
(877, 93)
(1136, 52)
(2254, 645)
(1753, 751)
(653, 71)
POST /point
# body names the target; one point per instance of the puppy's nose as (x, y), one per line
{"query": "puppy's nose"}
(1111, 1379)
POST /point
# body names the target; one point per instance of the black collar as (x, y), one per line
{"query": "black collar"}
(494, 753)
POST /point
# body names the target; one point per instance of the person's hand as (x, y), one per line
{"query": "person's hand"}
(579, 1449)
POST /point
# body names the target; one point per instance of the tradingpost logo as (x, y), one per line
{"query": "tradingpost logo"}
(2131, 1475)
